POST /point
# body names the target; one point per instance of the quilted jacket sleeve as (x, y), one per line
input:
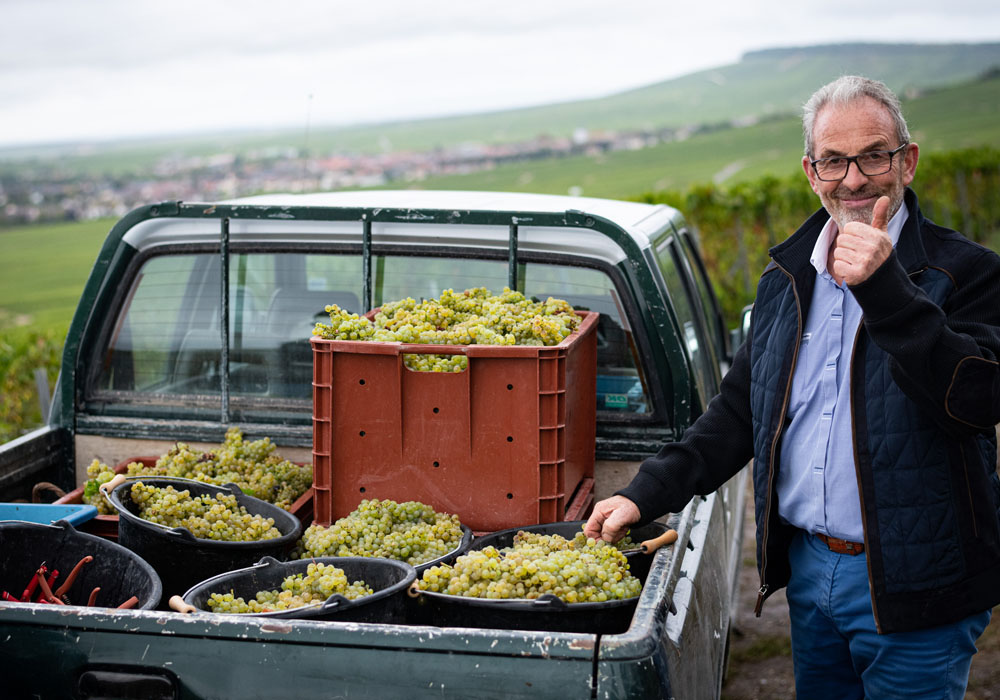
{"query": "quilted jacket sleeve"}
(943, 353)
(709, 453)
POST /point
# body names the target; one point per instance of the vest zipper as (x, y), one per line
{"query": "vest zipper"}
(761, 594)
(765, 587)
(857, 476)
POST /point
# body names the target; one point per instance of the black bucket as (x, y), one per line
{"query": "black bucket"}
(117, 571)
(180, 558)
(389, 579)
(545, 613)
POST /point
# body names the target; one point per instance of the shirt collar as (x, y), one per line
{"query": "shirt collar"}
(822, 248)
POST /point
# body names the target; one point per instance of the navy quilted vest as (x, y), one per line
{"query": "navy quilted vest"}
(930, 498)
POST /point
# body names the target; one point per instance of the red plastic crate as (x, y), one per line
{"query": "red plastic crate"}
(509, 441)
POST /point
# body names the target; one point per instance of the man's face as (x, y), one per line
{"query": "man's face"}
(846, 130)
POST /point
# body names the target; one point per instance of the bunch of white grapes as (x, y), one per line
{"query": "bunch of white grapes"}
(473, 317)
(99, 473)
(252, 465)
(580, 570)
(319, 582)
(410, 531)
(207, 516)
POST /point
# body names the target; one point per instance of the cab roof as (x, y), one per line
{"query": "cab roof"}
(632, 216)
(458, 219)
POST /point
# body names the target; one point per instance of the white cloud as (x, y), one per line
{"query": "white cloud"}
(105, 68)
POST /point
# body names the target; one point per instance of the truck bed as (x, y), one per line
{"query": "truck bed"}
(46, 650)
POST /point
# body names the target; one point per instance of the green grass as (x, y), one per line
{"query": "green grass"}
(958, 117)
(766, 647)
(45, 269)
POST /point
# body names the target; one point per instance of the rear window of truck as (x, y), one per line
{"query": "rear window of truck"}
(166, 343)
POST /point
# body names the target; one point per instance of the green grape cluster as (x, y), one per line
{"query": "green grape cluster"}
(435, 363)
(626, 543)
(99, 473)
(344, 325)
(252, 465)
(409, 531)
(208, 516)
(580, 570)
(475, 316)
(319, 582)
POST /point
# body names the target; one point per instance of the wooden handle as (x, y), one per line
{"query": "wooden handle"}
(414, 590)
(650, 546)
(178, 604)
(109, 486)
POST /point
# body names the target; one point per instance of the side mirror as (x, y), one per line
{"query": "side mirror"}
(739, 334)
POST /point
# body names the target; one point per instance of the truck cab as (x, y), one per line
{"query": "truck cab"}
(197, 316)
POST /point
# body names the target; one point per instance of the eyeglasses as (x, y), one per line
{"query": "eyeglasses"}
(869, 164)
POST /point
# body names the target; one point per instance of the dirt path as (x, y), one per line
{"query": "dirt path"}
(760, 665)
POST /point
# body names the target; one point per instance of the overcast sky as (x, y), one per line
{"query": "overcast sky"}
(100, 69)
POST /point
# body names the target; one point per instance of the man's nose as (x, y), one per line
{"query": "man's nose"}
(854, 178)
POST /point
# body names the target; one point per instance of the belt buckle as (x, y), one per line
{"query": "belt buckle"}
(839, 546)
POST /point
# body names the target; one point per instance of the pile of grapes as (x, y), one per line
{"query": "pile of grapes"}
(410, 532)
(252, 465)
(475, 316)
(208, 517)
(580, 570)
(318, 583)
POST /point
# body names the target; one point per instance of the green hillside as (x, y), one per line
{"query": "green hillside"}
(761, 84)
(779, 81)
(45, 268)
(950, 118)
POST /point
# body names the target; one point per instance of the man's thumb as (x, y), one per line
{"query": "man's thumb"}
(880, 214)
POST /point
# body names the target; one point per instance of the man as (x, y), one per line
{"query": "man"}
(866, 394)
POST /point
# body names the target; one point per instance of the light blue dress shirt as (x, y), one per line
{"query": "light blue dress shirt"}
(817, 483)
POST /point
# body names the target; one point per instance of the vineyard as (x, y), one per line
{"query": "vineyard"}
(22, 351)
(737, 224)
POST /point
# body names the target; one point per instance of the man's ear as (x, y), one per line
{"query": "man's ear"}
(810, 173)
(910, 158)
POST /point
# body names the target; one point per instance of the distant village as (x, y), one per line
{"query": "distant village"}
(42, 191)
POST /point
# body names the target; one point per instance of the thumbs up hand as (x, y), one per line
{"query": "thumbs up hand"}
(861, 248)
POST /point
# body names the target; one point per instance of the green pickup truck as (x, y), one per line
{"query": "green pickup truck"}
(197, 317)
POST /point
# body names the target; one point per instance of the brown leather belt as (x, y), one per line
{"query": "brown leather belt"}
(841, 546)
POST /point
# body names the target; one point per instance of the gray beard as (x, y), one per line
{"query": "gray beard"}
(863, 216)
(844, 216)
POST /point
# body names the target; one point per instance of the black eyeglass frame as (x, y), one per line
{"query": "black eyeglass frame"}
(854, 159)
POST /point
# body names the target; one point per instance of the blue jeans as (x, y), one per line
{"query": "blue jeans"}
(836, 651)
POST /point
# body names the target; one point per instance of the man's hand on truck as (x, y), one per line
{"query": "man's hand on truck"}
(611, 518)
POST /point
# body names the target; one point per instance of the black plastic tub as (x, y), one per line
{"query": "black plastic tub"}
(180, 558)
(546, 613)
(117, 571)
(389, 579)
